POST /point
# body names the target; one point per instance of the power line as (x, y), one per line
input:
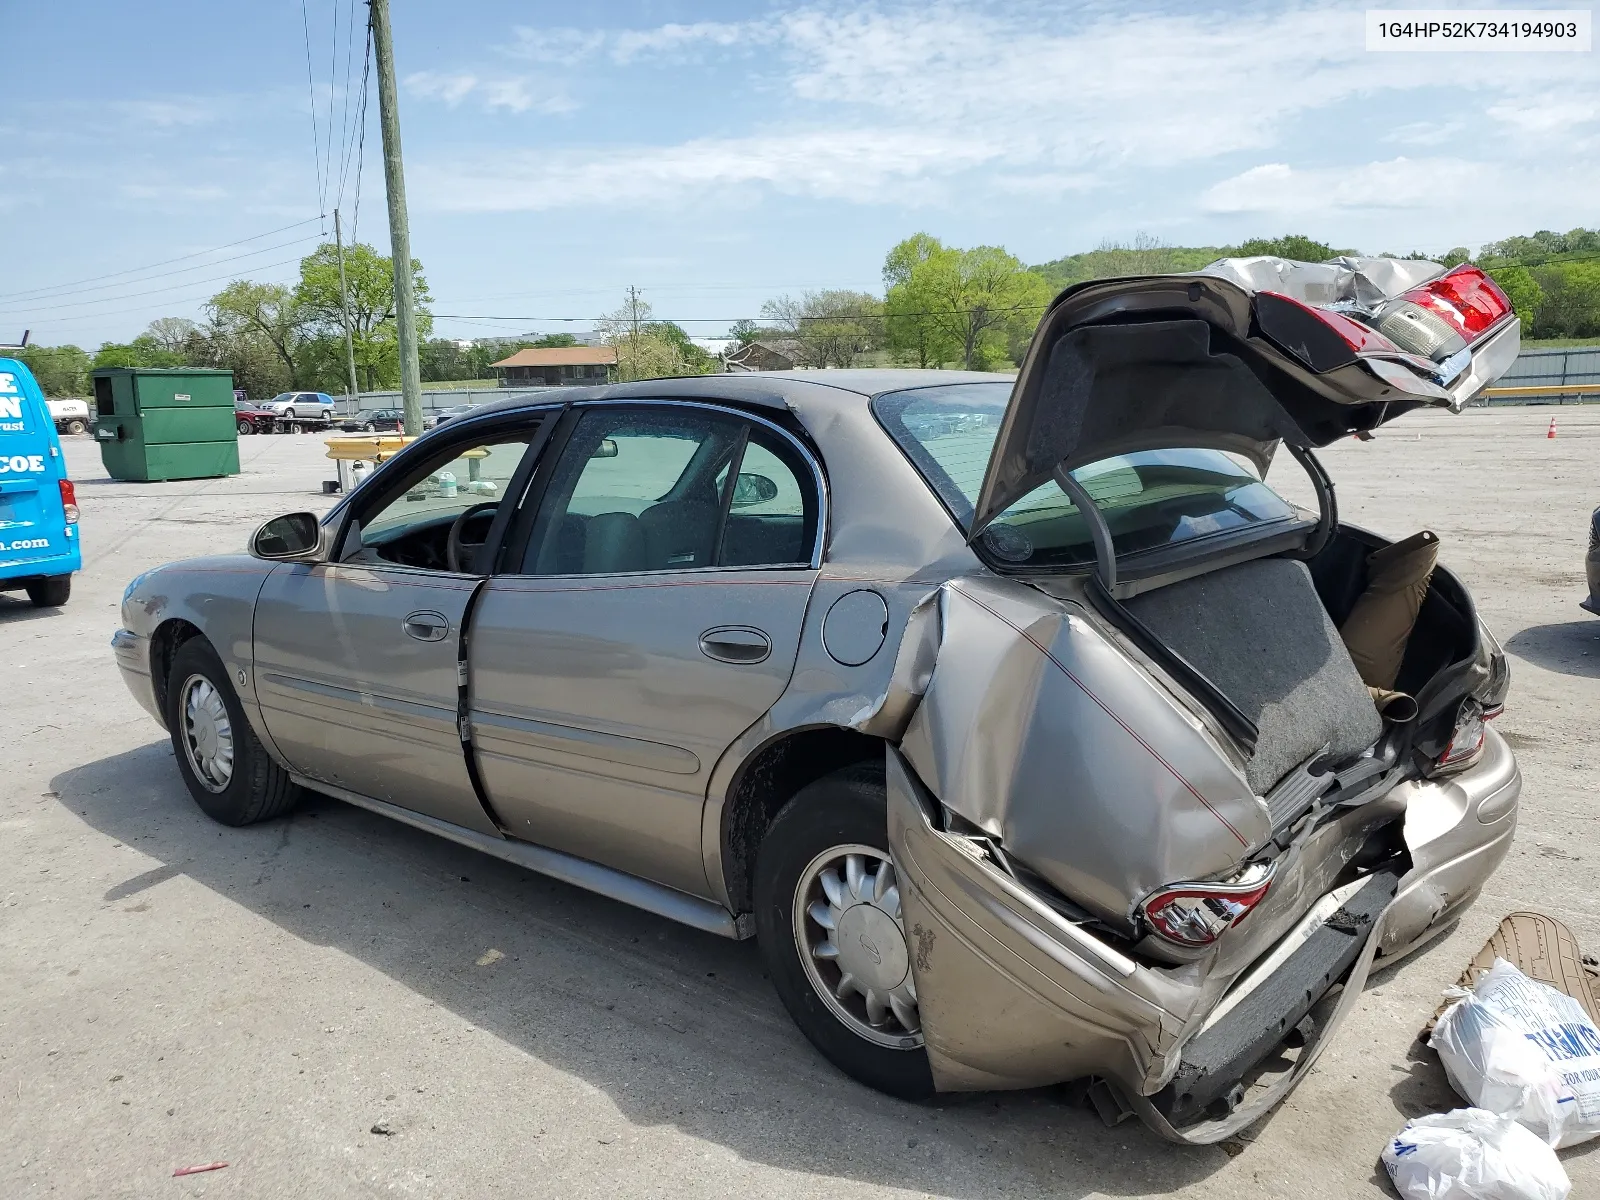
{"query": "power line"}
(877, 316)
(311, 95)
(346, 130)
(216, 262)
(131, 295)
(361, 143)
(55, 287)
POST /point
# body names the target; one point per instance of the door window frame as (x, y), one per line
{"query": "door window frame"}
(513, 546)
(380, 492)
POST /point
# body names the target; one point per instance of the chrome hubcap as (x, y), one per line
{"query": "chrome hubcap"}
(207, 733)
(847, 925)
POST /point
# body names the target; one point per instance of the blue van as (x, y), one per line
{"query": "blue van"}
(38, 509)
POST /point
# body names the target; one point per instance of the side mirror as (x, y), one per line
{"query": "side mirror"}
(606, 449)
(294, 535)
(750, 489)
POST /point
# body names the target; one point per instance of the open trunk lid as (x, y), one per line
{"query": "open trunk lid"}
(1240, 356)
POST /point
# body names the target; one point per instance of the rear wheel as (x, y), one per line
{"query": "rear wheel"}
(51, 592)
(77, 426)
(226, 768)
(828, 916)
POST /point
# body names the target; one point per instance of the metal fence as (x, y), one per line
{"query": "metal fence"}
(432, 401)
(1562, 376)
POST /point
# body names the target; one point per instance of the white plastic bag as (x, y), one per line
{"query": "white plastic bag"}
(1470, 1154)
(1520, 1048)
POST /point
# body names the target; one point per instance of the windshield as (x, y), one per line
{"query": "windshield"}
(1150, 499)
(281, 396)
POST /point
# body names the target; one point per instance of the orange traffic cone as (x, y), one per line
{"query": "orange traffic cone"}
(1551, 432)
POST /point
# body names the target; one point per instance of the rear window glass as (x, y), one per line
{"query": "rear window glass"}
(1151, 499)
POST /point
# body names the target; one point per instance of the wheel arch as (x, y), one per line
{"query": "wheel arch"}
(765, 781)
(164, 642)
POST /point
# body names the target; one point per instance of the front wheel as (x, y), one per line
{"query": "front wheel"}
(828, 916)
(370, 427)
(77, 426)
(51, 592)
(246, 428)
(289, 412)
(227, 770)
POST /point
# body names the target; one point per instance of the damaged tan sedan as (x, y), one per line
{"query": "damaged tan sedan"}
(1017, 720)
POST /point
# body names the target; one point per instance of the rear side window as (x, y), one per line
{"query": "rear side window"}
(1151, 499)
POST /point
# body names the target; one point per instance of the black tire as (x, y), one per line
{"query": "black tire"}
(844, 808)
(77, 426)
(257, 789)
(289, 412)
(51, 592)
(370, 427)
(245, 428)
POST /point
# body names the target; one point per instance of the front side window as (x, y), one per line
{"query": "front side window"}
(412, 526)
(1150, 499)
(671, 489)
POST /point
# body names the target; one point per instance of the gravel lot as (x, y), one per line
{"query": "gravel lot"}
(175, 993)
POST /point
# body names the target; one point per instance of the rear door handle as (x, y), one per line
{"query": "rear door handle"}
(735, 644)
(426, 626)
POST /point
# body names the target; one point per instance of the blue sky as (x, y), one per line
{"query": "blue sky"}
(717, 154)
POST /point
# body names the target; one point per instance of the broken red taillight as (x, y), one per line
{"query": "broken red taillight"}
(1444, 316)
(69, 501)
(1197, 914)
(1437, 321)
(1466, 739)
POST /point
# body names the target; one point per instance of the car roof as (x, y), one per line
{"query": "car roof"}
(805, 393)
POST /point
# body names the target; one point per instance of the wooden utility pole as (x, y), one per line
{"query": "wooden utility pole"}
(344, 307)
(405, 300)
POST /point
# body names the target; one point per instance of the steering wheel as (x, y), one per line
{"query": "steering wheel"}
(457, 551)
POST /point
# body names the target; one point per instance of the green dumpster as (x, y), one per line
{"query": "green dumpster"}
(165, 424)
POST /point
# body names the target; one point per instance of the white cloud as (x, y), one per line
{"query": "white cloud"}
(848, 164)
(1039, 102)
(509, 93)
(171, 112)
(1399, 183)
(624, 46)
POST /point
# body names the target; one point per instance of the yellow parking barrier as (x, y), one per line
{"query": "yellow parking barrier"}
(376, 448)
(1568, 389)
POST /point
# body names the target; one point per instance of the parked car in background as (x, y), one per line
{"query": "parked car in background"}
(1014, 720)
(38, 505)
(380, 420)
(448, 414)
(69, 415)
(318, 406)
(252, 418)
(1592, 565)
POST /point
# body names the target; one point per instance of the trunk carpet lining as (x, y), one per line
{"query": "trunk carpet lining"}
(1260, 633)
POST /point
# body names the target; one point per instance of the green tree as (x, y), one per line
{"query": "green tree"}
(646, 348)
(369, 280)
(60, 370)
(830, 328)
(1524, 292)
(266, 313)
(970, 305)
(555, 341)
(1295, 246)
(744, 331)
(143, 351)
(1570, 306)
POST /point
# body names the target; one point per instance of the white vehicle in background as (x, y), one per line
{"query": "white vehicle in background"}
(317, 406)
(70, 416)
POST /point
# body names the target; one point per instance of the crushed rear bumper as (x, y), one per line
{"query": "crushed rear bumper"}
(1012, 994)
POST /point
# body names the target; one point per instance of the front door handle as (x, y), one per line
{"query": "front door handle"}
(735, 644)
(426, 626)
